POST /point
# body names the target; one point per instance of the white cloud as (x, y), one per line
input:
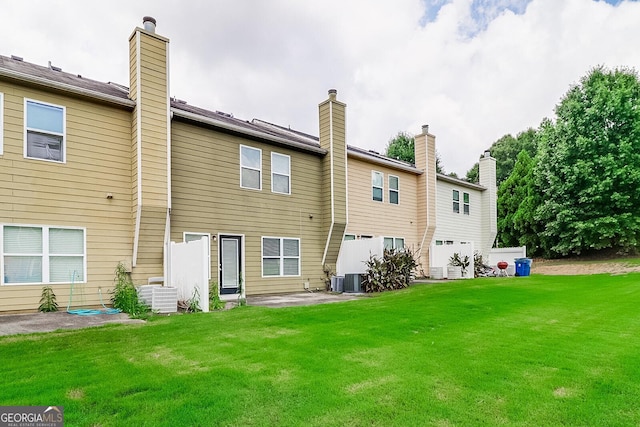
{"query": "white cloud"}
(473, 70)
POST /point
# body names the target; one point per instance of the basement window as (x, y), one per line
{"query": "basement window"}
(44, 131)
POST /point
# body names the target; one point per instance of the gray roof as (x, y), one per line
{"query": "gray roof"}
(53, 77)
(19, 68)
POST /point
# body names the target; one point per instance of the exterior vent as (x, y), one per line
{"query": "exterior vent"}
(17, 58)
(352, 283)
(162, 299)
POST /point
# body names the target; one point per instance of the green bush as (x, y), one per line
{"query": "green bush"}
(393, 271)
(215, 303)
(125, 296)
(48, 300)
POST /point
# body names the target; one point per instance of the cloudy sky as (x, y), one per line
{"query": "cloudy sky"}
(474, 70)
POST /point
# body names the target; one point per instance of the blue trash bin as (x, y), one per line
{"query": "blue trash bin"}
(523, 266)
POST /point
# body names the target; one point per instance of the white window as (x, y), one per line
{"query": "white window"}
(456, 201)
(394, 189)
(377, 182)
(394, 243)
(280, 257)
(44, 131)
(349, 237)
(42, 254)
(1, 121)
(250, 167)
(280, 173)
(190, 237)
(465, 204)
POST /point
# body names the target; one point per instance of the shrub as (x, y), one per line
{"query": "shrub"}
(124, 295)
(48, 301)
(460, 261)
(215, 303)
(393, 271)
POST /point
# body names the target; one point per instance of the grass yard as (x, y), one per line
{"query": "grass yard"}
(530, 351)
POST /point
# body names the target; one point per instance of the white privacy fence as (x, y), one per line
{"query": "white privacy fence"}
(506, 254)
(355, 253)
(189, 270)
(441, 254)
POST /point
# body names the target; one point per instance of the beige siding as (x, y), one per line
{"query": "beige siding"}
(207, 198)
(425, 151)
(150, 139)
(334, 176)
(369, 217)
(36, 192)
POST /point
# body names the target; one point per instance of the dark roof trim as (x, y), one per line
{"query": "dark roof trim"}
(75, 90)
(381, 160)
(460, 182)
(245, 131)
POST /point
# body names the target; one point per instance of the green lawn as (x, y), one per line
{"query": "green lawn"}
(528, 351)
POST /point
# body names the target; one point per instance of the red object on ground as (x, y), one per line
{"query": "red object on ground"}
(502, 265)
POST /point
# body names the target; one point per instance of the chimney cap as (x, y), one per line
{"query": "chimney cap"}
(149, 24)
(425, 129)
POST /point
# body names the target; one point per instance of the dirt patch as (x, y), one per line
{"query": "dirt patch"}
(571, 268)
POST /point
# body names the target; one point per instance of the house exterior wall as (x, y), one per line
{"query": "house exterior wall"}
(70, 194)
(458, 227)
(373, 218)
(208, 198)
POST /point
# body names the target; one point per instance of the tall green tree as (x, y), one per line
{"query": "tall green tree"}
(589, 166)
(402, 147)
(505, 150)
(511, 192)
(518, 201)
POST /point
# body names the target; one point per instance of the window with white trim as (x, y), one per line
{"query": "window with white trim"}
(1, 122)
(44, 129)
(43, 254)
(190, 237)
(250, 167)
(377, 183)
(280, 257)
(394, 189)
(456, 201)
(349, 237)
(465, 203)
(280, 173)
(393, 242)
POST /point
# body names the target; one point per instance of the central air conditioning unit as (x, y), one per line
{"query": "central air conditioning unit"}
(352, 283)
(163, 299)
(337, 283)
